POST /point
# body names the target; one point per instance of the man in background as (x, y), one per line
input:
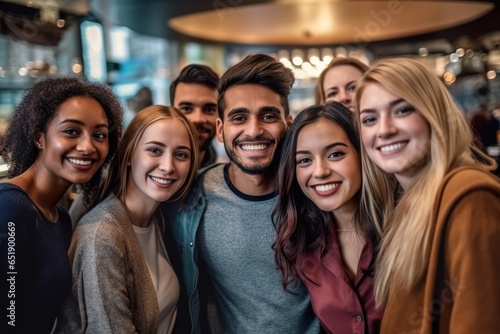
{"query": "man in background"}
(194, 92)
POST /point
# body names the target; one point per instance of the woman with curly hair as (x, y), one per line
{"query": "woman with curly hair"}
(64, 131)
(324, 236)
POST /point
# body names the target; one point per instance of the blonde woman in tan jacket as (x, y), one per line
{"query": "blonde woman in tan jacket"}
(439, 262)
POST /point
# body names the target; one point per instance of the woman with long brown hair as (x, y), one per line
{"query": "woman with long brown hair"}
(324, 236)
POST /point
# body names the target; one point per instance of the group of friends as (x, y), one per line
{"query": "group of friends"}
(371, 211)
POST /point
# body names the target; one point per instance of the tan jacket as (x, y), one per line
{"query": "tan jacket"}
(464, 296)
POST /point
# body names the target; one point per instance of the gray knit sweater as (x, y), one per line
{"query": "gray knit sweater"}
(112, 289)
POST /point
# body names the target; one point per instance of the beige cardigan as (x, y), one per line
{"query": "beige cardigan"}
(112, 289)
(464, 296)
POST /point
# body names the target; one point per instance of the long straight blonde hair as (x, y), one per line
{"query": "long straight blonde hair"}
(408, 218)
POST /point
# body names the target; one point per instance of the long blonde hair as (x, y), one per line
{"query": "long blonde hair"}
(404, 251)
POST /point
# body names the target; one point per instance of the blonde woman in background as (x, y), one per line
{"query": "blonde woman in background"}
(438, 265)
(123, 275)
(338, 80)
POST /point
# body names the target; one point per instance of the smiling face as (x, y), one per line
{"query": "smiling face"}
(395, 135)
(339, 84)
(254, 125)
(160, 163)
(75, 144)
(199, 103)
(328, 167)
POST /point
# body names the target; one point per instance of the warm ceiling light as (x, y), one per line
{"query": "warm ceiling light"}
(449, 78)
(316, 22)
(491, 75)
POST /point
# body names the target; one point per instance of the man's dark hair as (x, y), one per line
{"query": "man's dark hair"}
(195, 74)
(257, 69)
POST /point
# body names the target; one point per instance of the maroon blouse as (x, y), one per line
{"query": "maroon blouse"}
(341, 305)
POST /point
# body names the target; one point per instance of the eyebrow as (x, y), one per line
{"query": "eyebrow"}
(76, 121)
(264, 109)
(391, 104)
(182, 147)
(331, 88)
(185, 103)
(238, 111)
(270, 109)
(155, 143)
(336, 87)
(188, 103)
(332, 145)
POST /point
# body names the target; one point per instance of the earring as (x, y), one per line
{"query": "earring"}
(39, 145)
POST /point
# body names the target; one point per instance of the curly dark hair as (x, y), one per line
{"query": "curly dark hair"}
(36, 110)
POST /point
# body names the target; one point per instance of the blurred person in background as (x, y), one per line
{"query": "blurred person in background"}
(141, 99)
(337, 82)
(194, 92)
(489, 131)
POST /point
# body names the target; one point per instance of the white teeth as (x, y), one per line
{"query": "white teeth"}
(80, 162)
(327, 187)
(162, 181)
(391, 148)
(254, 147)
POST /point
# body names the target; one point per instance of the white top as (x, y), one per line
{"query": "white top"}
(161, 272)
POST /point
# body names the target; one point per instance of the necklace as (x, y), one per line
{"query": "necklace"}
(345, 229)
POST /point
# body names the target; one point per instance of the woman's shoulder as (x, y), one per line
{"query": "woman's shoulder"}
(107, 209)
(462, 180)
(14, 200)
(467, 185)
(9, 190)
(107, 217)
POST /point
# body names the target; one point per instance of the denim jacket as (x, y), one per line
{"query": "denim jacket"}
(184, 226)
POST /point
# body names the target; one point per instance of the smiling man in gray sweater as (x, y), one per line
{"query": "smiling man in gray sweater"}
(224, 230)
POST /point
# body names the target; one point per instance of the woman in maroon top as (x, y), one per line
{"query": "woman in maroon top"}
(324, 236)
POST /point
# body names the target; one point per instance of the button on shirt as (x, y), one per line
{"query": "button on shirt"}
(342, 305)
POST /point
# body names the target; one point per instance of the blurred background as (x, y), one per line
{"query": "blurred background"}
(132, 44)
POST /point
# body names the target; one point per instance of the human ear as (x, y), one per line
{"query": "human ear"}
(219, 125)
(39, 140)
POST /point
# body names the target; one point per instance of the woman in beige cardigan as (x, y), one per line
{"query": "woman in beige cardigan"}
(123, 280)
(439, 262)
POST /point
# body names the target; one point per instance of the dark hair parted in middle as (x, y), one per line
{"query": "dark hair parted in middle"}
(257, 69)
(301, 226)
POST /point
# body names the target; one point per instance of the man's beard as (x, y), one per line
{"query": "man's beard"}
(204, 146)
(203, 129)
(267, 168)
